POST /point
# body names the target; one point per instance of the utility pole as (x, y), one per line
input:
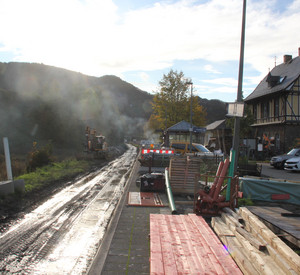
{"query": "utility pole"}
(189, 82)
(236, 138)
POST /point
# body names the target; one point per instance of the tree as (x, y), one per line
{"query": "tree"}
(172, 103)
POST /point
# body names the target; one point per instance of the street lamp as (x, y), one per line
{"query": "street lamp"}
(189, 82)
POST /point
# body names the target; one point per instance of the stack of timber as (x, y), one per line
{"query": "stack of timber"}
(185, 244)
(281, 221)
(182, 171)
(253, 246)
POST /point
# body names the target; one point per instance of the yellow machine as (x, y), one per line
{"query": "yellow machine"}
(95, 143)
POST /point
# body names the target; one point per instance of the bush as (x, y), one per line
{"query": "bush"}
(39, 157)
(245, 202)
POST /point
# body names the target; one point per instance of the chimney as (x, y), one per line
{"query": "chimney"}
(287, 58)
(299, 51)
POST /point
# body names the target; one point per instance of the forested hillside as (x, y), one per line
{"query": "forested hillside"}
(40, 103)
(215, 109)
(44, 103)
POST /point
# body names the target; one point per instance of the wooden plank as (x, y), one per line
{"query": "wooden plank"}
(263, 264)
(200, 248)
(278, 259)
(182, 264)
(233, 214)
(286, 252)
(144, 199)
(261, 246)
(227, 264)
(187, 246)
(156, 259)
(228, 219)
(193, 259)
(273, 215)
(169, 261)
(236, 250)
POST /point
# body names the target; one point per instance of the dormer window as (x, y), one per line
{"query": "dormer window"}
(274, 80)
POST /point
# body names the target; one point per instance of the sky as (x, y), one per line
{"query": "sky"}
(141, 40)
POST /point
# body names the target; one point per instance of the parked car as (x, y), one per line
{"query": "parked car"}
(182, 147)
(292, 164)
(278, 161)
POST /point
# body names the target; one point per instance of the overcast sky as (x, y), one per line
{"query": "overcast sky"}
(140, 40)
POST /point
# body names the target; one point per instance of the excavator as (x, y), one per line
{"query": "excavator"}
(95, 143)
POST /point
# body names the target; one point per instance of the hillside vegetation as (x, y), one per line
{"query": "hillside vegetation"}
(40, 103)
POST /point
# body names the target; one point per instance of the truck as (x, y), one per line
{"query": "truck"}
(95, 143)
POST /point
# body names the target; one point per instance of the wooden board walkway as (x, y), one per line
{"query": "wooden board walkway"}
(144, 199)
(185, 244)
(280, 221)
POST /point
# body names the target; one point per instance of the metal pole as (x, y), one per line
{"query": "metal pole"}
(7, 159)
(191, 118)
(236, 137)
(169, 193)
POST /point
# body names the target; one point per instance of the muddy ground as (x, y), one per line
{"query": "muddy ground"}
(14, 207)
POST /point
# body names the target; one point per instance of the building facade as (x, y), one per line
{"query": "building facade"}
(275, 105)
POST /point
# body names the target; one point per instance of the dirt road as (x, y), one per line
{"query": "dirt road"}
(61, 236)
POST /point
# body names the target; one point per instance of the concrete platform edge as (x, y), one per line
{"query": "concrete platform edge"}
(97, 264)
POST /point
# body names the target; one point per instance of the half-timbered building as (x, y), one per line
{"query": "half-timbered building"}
(275, 104)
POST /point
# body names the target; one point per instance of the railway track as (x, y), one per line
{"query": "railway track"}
(61, 236)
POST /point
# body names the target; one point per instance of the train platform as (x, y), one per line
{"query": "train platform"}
(128, 249)
(125, 248)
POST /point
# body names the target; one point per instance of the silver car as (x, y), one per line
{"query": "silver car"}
(278, 161)
(292, 164)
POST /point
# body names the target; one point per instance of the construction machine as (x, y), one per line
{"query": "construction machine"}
(95, 143)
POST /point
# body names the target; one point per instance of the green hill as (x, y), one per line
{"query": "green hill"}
(42, 103)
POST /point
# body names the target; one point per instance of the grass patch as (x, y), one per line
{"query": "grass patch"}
(53, 172)
(245, 202)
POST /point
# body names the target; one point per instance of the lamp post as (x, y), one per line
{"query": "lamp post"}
(189, 82)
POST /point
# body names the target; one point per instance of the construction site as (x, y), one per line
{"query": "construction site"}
(182, 223)
(154, 211)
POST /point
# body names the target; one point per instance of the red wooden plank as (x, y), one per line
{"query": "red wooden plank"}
(200, 246)
(144, 199)
(216, 246)
(197, 260)
(182, 265)
(166, 246)
(187, 246)
(212, 264)
(156, 260)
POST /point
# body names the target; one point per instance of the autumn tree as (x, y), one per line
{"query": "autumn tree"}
(171, 104)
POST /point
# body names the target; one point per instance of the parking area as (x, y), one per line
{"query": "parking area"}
(270, 172)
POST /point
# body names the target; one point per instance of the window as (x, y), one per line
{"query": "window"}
(276, 107)
(201, 148)
(255, 111)
(264, 109)
(178, 146)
